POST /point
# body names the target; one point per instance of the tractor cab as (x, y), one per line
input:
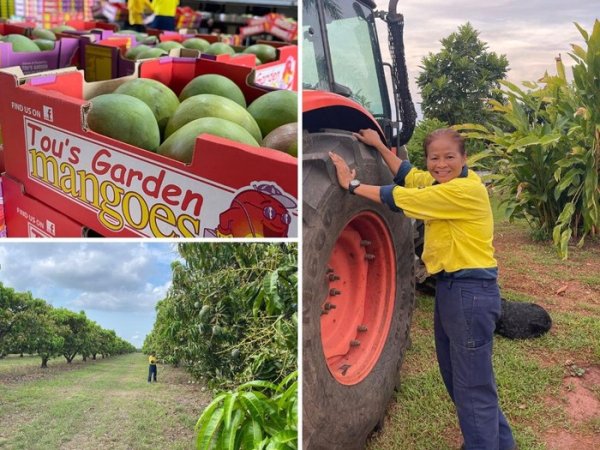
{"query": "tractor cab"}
(342, 55)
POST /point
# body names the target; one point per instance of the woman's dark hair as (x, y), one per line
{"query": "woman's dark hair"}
(447, 133)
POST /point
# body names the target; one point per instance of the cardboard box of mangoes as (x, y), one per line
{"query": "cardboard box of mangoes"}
(209, 167)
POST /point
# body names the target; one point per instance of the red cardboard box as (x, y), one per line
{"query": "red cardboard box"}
(27, 217)
(16, 28)
(2, 217)
(116, 189)
(83, 25)
(279, 74)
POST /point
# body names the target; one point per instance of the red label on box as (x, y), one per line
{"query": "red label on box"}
(127, 191)
(280, 76)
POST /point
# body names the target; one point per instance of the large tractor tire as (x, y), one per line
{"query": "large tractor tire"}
(358, 296)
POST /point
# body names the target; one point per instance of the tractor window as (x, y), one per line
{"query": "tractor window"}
(355, 64)
(314, 67)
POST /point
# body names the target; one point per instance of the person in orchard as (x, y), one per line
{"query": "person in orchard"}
(152, 370)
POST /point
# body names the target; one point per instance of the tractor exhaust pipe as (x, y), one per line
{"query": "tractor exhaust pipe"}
(404, 101)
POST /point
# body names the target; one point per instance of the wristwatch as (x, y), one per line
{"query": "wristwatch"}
(353, 185)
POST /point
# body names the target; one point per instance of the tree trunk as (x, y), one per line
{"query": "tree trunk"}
(94, 356)
(21, 355)
(44, 362)
(84, 358)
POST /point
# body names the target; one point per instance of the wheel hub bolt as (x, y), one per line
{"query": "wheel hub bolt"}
(354, 343)
(329, 306)
(345, 368)
(333, 277)
(323, 312)
(370, 256)
(329, 270)
(362, 328)
(334, 292)
(365, 243)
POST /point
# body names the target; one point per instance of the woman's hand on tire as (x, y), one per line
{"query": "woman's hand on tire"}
(370, 137)
(344, 174)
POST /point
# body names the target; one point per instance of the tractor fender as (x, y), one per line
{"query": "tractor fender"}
(325, 110)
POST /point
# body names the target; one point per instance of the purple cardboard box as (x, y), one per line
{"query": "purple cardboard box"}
(84, 38)
(32, 62)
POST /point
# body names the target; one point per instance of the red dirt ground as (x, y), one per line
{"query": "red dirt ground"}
(559, 286)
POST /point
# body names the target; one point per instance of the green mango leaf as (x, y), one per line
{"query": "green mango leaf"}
(258, 302)
(233, 434)
(228, 406)
(259, 384)
(272, 298)
(253, 404)
(252, 435)
(285, 437)
(208, 411)
(289, 395)
(209, 433)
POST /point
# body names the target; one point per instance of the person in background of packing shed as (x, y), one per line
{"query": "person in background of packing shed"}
(152, 368)
(165, 14)
(137, 9)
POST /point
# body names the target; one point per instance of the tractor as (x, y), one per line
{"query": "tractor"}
(358, 257)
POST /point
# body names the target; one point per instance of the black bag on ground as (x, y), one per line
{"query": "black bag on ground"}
(522, 320)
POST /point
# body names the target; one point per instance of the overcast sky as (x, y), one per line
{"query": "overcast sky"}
(116, 284)
(529, 32)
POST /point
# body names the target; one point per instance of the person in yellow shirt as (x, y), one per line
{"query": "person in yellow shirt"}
(454, 205)
(165, 11)
(152, 368)
(136, 9)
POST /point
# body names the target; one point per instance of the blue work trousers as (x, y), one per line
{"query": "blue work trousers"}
(164, 23)
(466, 311)
(152, 372)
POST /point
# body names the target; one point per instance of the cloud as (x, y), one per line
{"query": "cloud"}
(101, 276)
(121, 298)
(530, 34)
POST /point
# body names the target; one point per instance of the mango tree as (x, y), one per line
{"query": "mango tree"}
(230, 315)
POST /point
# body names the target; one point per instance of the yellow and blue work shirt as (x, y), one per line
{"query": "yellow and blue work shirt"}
(136, 11)
(165, 7)
(459, 224)
(152, 360)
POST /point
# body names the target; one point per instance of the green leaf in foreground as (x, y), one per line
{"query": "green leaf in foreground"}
(256, 415)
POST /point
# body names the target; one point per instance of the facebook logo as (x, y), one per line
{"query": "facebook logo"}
(48, 114)
(50, 227)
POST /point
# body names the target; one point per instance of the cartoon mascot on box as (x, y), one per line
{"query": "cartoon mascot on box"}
(262, 211)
